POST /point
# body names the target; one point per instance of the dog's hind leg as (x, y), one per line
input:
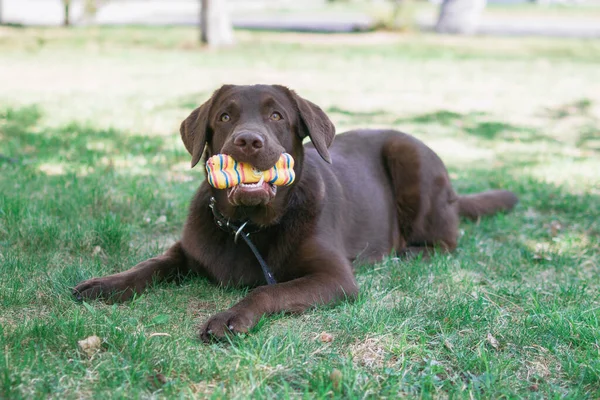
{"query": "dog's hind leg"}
(124, 285)
(402, 163)
(426, 205)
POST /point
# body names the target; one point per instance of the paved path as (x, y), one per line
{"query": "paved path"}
(247, 14)
(575, 27)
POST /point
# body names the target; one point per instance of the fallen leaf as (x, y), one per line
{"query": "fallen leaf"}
(493, 341)
(326, 337)
(90, 345)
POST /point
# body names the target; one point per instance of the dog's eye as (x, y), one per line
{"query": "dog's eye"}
(224, 117)
(275, 116)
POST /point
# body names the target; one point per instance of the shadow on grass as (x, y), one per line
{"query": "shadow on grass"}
(25, 139)
(589, 138)
(477, 124)
(442, 117)
(491, 130)
(579, 107)
(361, 114)
(82, 191)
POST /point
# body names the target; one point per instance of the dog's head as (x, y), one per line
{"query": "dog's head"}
(255, 125)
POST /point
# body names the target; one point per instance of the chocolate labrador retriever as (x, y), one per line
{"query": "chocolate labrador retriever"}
(370, 194)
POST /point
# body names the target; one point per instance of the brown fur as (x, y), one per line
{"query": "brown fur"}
(384, 191)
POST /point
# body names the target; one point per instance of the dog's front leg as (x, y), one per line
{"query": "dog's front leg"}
(328, 279)
(124, 285)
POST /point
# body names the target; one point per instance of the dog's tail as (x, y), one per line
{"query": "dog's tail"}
(490, 202)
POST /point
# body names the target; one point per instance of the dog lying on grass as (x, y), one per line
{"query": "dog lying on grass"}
(366, 195)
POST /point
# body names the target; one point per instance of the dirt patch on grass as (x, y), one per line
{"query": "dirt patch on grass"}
(372, 352)
(540, 367)
(203, 389)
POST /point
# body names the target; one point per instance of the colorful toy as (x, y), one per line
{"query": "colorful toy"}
(225, 172)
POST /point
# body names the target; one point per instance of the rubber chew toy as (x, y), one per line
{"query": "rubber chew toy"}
(225, 172)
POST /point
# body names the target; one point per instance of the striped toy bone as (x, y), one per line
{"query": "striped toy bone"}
(224, 172)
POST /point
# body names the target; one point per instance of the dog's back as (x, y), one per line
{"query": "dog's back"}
(397, 195)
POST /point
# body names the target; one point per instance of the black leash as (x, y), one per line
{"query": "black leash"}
(238, 231)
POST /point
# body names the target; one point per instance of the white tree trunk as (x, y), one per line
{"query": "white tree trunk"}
(459, 16)
(216, 28)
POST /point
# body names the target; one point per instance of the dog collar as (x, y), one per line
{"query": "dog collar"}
(238, 231)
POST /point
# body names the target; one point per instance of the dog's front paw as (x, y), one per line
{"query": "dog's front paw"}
(226, 323)
(109, 288)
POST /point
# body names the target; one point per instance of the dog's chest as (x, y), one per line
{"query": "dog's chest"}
(233, 263)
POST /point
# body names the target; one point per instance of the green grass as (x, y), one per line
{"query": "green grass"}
(93, 179)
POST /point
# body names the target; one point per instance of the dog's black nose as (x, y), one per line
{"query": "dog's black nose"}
(249, 142)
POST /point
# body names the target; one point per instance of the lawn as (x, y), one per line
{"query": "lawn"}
(94, 178)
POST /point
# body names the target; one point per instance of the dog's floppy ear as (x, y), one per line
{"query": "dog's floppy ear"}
(194, 129)
(314, 123)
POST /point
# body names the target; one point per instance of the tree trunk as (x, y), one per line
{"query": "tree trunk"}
(67, 13)
(204, 6)
(216, 28)
(459, 16)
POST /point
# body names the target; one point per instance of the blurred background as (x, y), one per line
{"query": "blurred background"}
(575, 18)
(482, 77)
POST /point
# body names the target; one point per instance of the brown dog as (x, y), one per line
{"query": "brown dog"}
(368, 195)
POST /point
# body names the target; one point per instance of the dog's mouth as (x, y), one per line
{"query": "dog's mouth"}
(246, 185)
(251, 194)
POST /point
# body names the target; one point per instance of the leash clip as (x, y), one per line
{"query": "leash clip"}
(237, 233)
